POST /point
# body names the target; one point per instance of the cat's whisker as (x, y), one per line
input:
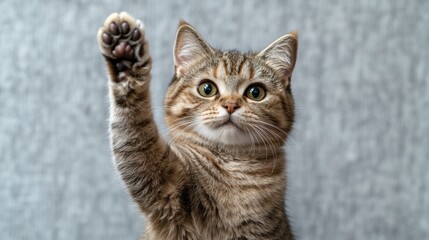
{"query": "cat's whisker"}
(279, 139)
(263, 139)
(252, 140)
(270, 144)
(290, 137)
(293, 141)
(187, 124)
(273, 132)
(180, 124)
(174, 124)
(275, 154)
(271, 125)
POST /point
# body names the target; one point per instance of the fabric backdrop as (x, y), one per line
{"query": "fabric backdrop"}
(358, 157)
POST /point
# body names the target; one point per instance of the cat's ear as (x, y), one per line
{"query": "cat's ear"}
(281, 55)
(189, 48)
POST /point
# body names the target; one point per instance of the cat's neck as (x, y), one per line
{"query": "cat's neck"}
(239, 151)
(236, 166)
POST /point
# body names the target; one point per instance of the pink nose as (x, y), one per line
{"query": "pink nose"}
(230, 106)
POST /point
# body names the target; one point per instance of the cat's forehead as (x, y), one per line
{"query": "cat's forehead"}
(234, 68)
(233, 63)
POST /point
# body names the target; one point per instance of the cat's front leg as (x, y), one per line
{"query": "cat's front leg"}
(145, 162)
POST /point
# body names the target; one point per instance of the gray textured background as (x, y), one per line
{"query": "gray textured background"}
(358, 158)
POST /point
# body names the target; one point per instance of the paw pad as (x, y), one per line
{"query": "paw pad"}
(123, 50)
(121, 40)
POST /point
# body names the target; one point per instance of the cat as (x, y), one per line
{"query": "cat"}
(222, 175)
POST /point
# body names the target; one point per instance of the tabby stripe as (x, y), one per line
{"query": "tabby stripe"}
(136, 142)
(143, 123)
(273, 119)
(215, 67)
(204, 167)
(202, 211)
(129, 148)
(269, 156)
(225, 66)
(130, 143)
(131, 179)
(255, 186)
(272, 232)
(115, 125)
(185, 200)
(268, 171)
(145, 196)
(284, 106)
(251, 72)
(242, 238)
(127, 153)
(248, 222)
(165, 155)
(177, 92)
(140, 124)
(263, 228)
(240, 66)
(141, 186)
(208, 199)
(185, 112)
(219, 169)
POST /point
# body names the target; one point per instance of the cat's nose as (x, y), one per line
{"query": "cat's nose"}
(230, 106)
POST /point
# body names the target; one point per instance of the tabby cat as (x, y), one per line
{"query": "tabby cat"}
(222, 174)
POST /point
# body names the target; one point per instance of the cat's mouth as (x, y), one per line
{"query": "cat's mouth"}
(226, 129)
(229, 123)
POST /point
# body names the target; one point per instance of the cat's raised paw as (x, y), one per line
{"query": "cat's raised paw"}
(122, 42)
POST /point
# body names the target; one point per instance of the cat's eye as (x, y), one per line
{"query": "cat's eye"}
(255, 92)
(207, 89)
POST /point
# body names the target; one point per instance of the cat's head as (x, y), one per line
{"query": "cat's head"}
(228, 97)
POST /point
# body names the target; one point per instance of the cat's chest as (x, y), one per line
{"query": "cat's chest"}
(219, 212)
(226, 193)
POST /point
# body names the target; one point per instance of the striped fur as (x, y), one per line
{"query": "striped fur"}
(222, 175)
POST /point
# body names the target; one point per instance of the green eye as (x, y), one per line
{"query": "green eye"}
(207, 89)
(255, 92)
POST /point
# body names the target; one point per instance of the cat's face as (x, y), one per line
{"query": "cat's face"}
(229, 97)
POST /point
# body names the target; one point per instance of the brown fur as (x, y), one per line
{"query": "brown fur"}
(202, 186)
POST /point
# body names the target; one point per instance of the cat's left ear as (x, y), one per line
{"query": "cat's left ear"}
(189, 48)
(281, 55)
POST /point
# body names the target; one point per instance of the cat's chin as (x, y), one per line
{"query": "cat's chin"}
(228, 134)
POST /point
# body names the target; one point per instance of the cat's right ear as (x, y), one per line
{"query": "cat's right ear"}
(281, 55)
(189, 48)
